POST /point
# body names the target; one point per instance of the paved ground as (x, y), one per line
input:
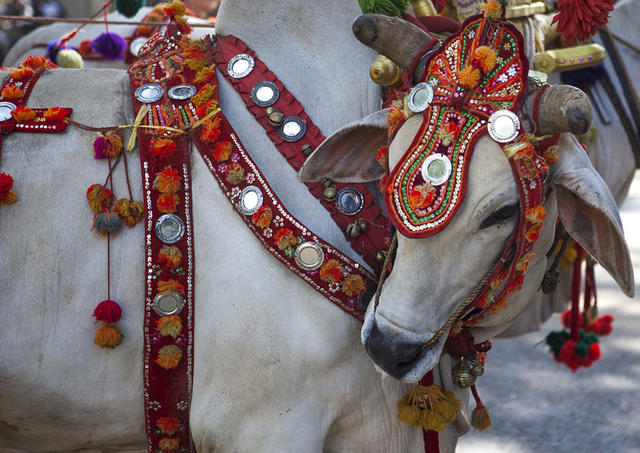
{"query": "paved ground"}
(538, 406)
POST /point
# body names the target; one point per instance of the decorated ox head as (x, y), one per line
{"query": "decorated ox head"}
(481, 163)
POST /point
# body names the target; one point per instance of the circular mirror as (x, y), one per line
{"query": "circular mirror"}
(436, 169)
(169, 228)
(181, 92)
(265, 93)
(168, 304)
(149, 93)
(420, 97)
(5, 110)
(240, 66)
(136, 44)
(309, 256)
(250, 200)
(503, 126)
(292, 129)
(350, 201)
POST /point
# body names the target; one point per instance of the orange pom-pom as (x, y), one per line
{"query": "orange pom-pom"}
(492, 10)
(169, 356)
(469, 77)
(331, 272)
(36, 61)
(130, 211)
(167, 181)
(262, 217)
(210, 130)
(485, 58)
(170, 256)
(22, 113)
(352, 285)
(170, 286)
(168, 203)
(169, 445)
(108, 336)
(221, 151)
(235, 173)
(99, 197)
(12, 92)
(535, 215)
(168, 425)
(23, 72)
(284, 239)
(163, 147)
(56, 114)
(169, 325)
(107, 145)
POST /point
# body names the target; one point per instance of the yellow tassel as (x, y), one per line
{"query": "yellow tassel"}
(108, 336)
(480, 419)
(169, 444)
(169, 356)
(429, 407)
(9, 198)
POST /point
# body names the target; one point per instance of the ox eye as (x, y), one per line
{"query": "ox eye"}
(500, 216)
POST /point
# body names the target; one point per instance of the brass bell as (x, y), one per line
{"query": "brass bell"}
(275, 117)
(462, 375)
(353, 230)
(363, 224)
(477, 370)
(330, 193)
(307, 150)
(381, 256)
(326, 182)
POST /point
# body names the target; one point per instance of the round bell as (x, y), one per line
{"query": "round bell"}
(363, 224)
(326, 182)
(462, 375)
(381, 256)
(275, 117)
(477, 370)
(353, 230)
(330, 193)
(307, 150)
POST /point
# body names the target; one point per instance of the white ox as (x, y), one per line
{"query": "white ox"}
(432, 276)
(36, 41)
(277, 367)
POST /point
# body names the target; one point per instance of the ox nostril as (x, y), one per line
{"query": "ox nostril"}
(394, 357)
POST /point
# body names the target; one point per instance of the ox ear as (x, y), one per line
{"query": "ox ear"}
(589, 212)
(349, 154)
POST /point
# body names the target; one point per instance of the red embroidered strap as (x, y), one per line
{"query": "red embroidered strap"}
(367, 243)
(169, 294)
(14, 116)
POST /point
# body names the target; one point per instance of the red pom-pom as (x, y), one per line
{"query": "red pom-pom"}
(566, 319)
(594, 352)
(601, 326)
(568, 355)
(108, 310)
(6, 183)
(579, 19)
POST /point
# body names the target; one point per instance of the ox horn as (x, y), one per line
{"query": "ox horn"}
(393, 37)
(561, 108)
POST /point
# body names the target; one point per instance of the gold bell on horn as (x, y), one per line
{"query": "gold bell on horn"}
(385, 72)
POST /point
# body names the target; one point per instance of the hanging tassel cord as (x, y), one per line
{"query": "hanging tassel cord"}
(385, 269)
(575, 295)
(72, 34)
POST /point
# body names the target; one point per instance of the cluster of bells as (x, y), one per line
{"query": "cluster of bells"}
(466, 372)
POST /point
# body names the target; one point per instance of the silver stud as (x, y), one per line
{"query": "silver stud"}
(250, 200)
(181, 92)
(420, 97)
(309, 256)
(5, 110)
(170, 228)
(292, 129)
(165, 304)
(265, 93)
(350, 201)
(149, 93)
(504, 126)
(436, 169)
(240, 66)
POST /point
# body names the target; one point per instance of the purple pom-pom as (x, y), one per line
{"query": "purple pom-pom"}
(110, 45)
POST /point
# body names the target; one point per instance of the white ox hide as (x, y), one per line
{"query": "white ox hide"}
(432, 276)
(36, 41)
(277, 367)
(611, 155)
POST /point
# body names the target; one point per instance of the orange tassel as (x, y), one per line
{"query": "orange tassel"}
(170, 256)
(331, 272)
(169, 325)
(352, 285)
(12, 92)
(170, 286)
(168, 425)
(169, 356)
(108, 336)
(22, 113)
(167, 181)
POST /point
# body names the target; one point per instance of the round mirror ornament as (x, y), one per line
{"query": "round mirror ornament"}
(420, 97)
(5, 110)
(165, 304)
(250, 200)
(182, 92)
(240, 66)
(349, 201)
(149, 93)
(503, 126)
(170, 228)
(309, 256)
(292, 129)
(265, 93)
(436, 169)
(136, 44)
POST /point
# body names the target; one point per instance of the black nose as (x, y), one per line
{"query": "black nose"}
(394, 357)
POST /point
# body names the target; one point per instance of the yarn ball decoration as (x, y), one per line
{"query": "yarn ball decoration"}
(111, 46)
(129, 8)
